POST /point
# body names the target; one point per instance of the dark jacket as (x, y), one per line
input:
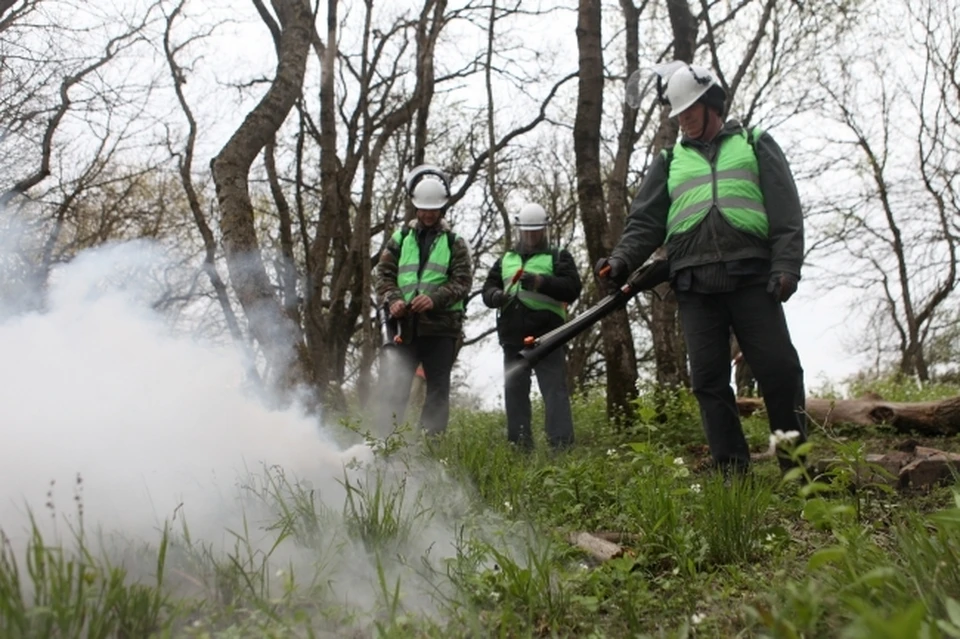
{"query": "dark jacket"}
(516, 321)
(439, 321)
(715, 241)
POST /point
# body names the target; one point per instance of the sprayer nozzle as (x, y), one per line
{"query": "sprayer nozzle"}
(516, 367)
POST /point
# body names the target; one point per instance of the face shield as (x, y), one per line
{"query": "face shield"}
(531, 239)
(642, 81)
(531, 230)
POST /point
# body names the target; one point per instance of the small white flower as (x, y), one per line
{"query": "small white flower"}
(770, 537)
(780, 437)
(508, 505)
(280, 573)
(443, 461)
(611, 452)
(695, 488)
(678, 461)
(696, 618)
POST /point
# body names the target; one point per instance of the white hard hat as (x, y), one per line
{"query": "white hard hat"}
(532, 217)
(429, 194)
(417, 173)
(682, 85)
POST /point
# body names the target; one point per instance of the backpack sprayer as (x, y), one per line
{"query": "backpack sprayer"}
(642, 279)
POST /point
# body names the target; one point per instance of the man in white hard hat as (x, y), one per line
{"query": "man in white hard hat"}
(724, 201)
(531, 286)
(424, 275)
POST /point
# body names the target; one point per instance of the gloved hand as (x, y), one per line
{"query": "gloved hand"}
(530, 282)
(613, 277)
(421, 303)
(782, 285)
(497, 298)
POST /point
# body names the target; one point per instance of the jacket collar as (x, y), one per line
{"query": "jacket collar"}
(730, 127)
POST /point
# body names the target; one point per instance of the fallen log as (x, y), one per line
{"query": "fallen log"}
(913, 466)
(936, 418)
(599, 549)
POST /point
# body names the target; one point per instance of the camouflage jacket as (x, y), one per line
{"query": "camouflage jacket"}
(438, 321)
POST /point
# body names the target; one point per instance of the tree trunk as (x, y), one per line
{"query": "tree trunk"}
(277, 335)
(615, 329)
(327, 314)
(669, 349)
(926, 418)
(913, 361)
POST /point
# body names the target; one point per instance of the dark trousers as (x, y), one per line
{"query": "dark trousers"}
(552, 379)
(760, 326)
(397, 368)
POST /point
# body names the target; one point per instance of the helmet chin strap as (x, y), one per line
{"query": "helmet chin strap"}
(709, 128)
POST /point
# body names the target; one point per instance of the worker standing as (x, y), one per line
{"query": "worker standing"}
(424, 276)
(531, 286)
(725, 203)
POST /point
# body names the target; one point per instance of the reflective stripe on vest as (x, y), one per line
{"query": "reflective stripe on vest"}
(434, 274)
(539, 264)
(732, 184)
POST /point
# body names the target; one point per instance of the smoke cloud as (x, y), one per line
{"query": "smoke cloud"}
(159, 426)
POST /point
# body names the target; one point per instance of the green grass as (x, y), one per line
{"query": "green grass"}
(463, 536)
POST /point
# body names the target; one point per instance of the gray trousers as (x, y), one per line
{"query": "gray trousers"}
(552, 379)
(759, 324)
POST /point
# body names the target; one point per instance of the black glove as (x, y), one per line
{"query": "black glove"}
(614, 276)
(782, 285)
(530, 281)
(651, 275)
(497, 298)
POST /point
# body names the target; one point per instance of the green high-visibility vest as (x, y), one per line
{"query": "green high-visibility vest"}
(732, 184)
(411, 281)
(539, 264)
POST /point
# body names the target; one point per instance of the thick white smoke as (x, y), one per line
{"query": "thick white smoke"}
(98, 385)
(156, 423)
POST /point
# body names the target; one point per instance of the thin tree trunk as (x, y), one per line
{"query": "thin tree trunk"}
(670, 353)
(615, 329)
(287, 266)
(319, 311)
